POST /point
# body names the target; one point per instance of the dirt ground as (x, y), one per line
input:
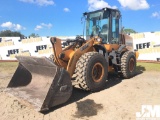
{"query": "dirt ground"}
(120, 100)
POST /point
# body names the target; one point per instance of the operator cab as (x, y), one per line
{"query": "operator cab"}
(103, 23)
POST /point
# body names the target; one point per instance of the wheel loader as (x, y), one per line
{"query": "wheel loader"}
(45, 83)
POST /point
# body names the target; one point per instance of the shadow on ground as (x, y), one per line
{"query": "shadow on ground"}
(78, 94)
(114, 79)
(140, 69)
(87, 108)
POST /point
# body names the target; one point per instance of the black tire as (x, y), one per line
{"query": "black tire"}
(91, 71)
(128, 64)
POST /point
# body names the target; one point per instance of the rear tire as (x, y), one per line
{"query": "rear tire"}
(91, 71)
(128, 64)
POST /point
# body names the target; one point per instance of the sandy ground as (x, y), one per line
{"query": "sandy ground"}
(120, 100)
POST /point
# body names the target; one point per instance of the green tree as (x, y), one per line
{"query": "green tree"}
(128, 31)
(9, 33)
(33, 35)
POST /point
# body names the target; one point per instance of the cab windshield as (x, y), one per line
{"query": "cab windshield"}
(97, 24)
(103, 23)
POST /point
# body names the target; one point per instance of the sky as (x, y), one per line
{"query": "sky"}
(63, 17)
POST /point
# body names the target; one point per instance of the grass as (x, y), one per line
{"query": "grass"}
(8, 66)
(148, 66)
(11, 66)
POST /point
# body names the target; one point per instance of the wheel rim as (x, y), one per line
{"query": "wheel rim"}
(97, 72)
(131, 65)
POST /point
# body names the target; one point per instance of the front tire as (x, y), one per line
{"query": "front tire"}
(91, 71)
(128, 64)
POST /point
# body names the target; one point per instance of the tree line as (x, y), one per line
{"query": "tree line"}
(9, 33)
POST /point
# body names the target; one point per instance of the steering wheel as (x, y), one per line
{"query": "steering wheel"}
(98, 27)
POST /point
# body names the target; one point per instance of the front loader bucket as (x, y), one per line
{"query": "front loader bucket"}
(40, 82)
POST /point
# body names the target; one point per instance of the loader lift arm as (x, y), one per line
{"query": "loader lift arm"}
(68, 57)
